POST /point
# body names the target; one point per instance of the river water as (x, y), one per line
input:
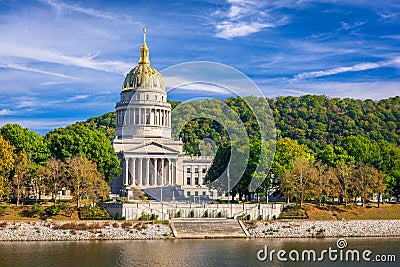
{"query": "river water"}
(187, 252)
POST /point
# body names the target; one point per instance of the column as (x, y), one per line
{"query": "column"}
(117, 121)
(147, 182)
(169, 172)
(131, 171)
(162, 171)
(126, 173)
(127, 115)
(174, 172)
(140, 116)
(140, 170)
(154, 181)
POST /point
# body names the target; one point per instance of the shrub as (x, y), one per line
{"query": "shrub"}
(38, 209)
(144, 217)
(54, 210)
(191, 214)
(3, 210)
(206, 214)
(93, 213)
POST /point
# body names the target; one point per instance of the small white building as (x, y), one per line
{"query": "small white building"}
(150, 158)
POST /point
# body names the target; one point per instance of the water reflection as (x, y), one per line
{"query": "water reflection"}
(217, 252)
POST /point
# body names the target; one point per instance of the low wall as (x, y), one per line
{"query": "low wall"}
(167, 210)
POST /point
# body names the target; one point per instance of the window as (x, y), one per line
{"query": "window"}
(196, 193)
(188, 170)
(204, 193)
(204, 181)
(196, 170)
(147, 97)
(188, 194)
(204, 170)
(196, 180)
(188, 180)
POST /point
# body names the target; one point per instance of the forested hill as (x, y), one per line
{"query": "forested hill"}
(312, 120)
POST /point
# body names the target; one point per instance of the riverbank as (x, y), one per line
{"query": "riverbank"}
(128, 230)
(353, 228)
(74, 231)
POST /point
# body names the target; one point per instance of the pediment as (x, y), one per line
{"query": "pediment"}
(152, 148)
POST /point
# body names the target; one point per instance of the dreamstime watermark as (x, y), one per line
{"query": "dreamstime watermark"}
(340, 253)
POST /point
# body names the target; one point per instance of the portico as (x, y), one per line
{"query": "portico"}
(150, 171)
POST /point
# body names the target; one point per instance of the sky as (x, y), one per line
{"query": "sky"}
(64, 61)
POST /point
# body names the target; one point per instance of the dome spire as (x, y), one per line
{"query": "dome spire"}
(144, 51)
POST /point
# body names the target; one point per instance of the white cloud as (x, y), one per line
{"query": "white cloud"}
(354, 68)
(36, 70)
(60, 6)
(228, 30)
(42, 55)
(244, 18)
(77, 97)
(6, 111)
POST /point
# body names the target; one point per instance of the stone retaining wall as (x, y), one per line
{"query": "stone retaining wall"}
(165, 211)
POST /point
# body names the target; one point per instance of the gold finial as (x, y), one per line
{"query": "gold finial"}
(144, 51)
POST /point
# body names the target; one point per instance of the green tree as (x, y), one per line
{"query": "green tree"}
(335, 155)
(25, 139)
(78, 140)
(287, 150)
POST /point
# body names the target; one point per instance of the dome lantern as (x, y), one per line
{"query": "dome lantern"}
(143, 76)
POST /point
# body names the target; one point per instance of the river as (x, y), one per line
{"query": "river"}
(187, 252)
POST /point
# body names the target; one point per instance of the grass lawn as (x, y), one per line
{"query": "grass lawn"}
(352, 212)
(10, 212)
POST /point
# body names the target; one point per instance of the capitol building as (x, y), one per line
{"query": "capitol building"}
(151, 160)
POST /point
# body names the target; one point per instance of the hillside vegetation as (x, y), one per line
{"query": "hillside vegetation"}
(312, 120)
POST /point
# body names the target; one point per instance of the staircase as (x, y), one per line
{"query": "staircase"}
(208, 228)
(169, 193)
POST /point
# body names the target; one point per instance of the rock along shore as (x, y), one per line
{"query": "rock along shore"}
(127, 230)
(74, 231)
(357, 228)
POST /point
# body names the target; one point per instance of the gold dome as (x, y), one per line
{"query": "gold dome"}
(143, 76)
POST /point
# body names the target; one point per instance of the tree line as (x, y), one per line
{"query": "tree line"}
(303, 175)
(75, 158)
(334, 132)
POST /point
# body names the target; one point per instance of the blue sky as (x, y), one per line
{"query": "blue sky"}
(63, 61)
